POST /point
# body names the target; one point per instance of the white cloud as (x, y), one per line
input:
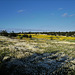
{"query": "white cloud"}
(20, 11)
(60, 8)
(65, 15)
(72, 15)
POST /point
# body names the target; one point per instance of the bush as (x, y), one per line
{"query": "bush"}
(30, 36)
(25, 35)
(21, 37)
(51, 38)
(4, 33)
(12, 34)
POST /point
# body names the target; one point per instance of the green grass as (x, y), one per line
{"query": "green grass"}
(71, 40)
(46, 45)
(39, 45)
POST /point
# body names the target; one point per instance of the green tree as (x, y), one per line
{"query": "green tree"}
(12, 34)
(4, 33)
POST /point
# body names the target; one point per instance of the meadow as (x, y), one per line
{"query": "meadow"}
(39, 54)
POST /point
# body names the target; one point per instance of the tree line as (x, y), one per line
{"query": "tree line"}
(5, 33)
(71, 33)
(13, 34)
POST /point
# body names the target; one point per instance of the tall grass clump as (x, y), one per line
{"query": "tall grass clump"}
(3, 53)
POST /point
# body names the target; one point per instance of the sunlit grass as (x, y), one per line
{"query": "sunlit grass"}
(38, 44)
(50, 43)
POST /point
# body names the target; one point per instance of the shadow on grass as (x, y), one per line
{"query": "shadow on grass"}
(36, 64)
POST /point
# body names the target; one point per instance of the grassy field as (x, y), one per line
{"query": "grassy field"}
(51, 43)
(46, 50)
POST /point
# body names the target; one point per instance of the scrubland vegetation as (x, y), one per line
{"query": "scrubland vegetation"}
(37, 54)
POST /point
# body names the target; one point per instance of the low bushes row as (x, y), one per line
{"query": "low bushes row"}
(25, 36)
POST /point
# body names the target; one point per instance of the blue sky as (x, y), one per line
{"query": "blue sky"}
(37, 15)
